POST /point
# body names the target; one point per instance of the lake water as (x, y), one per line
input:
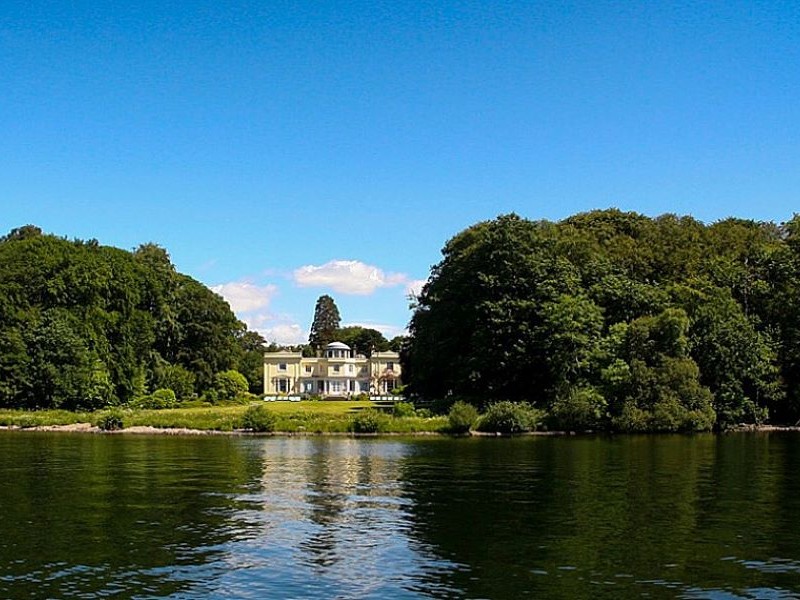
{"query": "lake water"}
(92, 516)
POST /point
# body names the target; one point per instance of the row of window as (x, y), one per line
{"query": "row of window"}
(336, 368)
(333, 387)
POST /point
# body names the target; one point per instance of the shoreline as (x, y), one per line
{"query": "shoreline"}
(185, 431)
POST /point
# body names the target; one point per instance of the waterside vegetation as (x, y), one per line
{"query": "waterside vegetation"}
(615, 321)
(85, 327)
(605, 321)
(283, 417)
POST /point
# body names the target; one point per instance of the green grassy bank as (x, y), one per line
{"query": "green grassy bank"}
(288, 417)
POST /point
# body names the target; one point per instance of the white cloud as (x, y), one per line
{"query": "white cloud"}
(414, 286)
(347, 277)
(288, 334)
(244, 296)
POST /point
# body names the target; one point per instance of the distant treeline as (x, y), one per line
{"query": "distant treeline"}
(613, 320)
(83, 326)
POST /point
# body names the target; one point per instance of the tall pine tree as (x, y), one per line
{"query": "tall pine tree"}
(326, 322)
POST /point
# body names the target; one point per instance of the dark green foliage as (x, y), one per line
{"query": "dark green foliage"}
(363, 340)
(510, 417)
(403, 409)
(396, 343)
(176, 378)
(580, 409)
(111, 420)
(251, 362)
(211, 396)
(369, 421)
(259, 418)
(615, 320)
(462, 417)
(84, 326)
(325, 324)
(162, 398)
(230, 384)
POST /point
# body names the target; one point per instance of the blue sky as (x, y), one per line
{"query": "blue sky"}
(282, 150)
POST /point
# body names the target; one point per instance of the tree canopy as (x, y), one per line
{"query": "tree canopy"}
(363, 340)
(84, 326)
(615, 320)
(325, 324)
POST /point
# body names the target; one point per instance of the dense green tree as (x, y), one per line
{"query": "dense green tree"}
(84, 325)
(614, 319)
(477, 331)
(362, 339)
(397, 342)
(251, 361)
(326, 322)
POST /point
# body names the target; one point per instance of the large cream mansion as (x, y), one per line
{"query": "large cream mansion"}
(337, 373)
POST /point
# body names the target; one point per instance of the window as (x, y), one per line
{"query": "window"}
(349, 368)
(283, 385)
(336, 386)
(281, 366)
(390, 366)
(309, 368)
(336, 368)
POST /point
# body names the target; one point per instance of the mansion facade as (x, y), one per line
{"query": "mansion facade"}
(339, 372)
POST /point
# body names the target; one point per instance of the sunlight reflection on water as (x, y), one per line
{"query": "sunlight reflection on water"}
(625, 517)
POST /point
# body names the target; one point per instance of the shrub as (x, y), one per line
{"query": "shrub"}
(510, 417)
(362, 397)
(176, 378)
(111, 420)
(163, 398)
(631, 419)
(230, 384)
(462, 417)
(369, 421)
(581, 409)
(424, 413)
(259, 418)
(211, 396)
(403, 409)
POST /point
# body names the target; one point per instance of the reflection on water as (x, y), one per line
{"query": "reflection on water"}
(331, 520)
(624, 517)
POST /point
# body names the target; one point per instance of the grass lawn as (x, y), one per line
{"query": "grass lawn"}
(306, 416)
(323, 407)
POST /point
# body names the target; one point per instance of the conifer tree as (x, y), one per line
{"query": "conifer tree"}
(326, 322)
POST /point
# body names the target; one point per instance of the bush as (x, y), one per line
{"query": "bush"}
(176, 378)
(362, 397)
(581, 409)
(111, 420)
(259, 418)
(163, 398)
(369, 421)
(510, 417)
(424, 413)
(403, 409)
(230, 384)
(462, 417)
